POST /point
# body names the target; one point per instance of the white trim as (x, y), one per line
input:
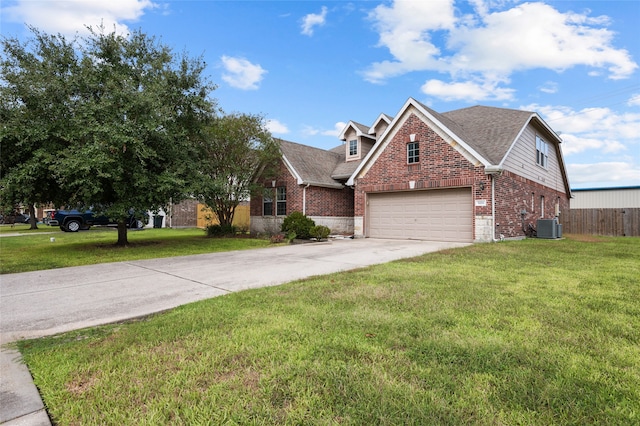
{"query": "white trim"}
(293, 172)
(381, 117)
(343, 134)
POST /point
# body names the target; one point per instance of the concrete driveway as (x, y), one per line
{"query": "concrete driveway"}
(36, 304)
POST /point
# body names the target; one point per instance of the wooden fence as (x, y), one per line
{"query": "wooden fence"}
(614, 222)
(207, 217)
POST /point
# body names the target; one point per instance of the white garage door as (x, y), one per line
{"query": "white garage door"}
(436, 215)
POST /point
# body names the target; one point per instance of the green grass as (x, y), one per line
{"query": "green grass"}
(33, 250)
(535, 332)
(23, 229)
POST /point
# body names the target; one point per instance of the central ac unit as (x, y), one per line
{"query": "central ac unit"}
(547, 228)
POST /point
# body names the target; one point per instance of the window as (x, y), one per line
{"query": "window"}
(281, 201)
(353, 147)
(542, 152)
(267, 206)
(542, 206)
(413, 153)
(533, 202)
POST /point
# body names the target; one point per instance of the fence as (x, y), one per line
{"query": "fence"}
(207, 217)
(614, 222)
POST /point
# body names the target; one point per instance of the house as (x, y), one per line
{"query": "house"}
(473, 174)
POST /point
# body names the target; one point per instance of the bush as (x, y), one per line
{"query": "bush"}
(299, 224)
(220, 230)
(320, 232)
(277, 238)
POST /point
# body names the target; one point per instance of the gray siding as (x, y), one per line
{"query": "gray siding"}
(522, 160)
(606, 198)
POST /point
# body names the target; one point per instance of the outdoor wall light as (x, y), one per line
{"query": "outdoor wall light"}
(481, 186)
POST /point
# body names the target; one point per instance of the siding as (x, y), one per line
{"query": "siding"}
(606, 198)
(521, 160)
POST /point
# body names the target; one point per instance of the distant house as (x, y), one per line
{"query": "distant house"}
(474, 174)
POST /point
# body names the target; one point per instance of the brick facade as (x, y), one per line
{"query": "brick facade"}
(321, 202)
(443, 164)
(439, 166)
(515, 194)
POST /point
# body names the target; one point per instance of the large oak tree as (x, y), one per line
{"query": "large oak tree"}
(112, 121)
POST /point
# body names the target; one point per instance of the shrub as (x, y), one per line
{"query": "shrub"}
(277, 238)
(320, 232)
(220, 230)
(299, 224)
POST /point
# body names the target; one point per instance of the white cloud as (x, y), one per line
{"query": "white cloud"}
(241, 74)
(274, 126)
(312, 20)
(549, 87)
(467, 90)
(619, 173)
(69, 17)
(309, 131)
(601, 131)
(488, 46)
(404, 28)
(335, 132)
(634, 100)
(533, 35)
(337, 129)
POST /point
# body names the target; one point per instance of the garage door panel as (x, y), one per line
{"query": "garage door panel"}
(439, 215)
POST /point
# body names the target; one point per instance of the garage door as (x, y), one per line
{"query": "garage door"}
(436, 215)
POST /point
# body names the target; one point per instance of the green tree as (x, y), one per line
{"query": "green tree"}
(236, 150)
(125, 135)
(36, 112)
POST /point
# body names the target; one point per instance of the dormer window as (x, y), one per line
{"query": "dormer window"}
(542, 152)
(353, 147)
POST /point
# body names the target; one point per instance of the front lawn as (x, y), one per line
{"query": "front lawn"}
(534, 332)
(34, 250)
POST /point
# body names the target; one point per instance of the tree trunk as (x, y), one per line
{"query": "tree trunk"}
(33, 220)
(122, 233)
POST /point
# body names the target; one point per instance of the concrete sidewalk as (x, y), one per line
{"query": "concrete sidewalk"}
(42, 303)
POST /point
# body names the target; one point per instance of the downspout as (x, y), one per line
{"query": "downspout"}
(493, 208)
(304, 199)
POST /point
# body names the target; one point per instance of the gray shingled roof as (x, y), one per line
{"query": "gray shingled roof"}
(314, 166)
(488, 130)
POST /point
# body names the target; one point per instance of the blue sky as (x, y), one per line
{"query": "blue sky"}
(311, 66)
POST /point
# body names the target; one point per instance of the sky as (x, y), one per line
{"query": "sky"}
(309, 67)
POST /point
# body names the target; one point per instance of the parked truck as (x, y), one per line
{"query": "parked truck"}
(75, 220)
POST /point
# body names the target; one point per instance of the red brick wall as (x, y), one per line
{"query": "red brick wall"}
(514, 194)
(329, 202)
(320, 201)
(440, 166)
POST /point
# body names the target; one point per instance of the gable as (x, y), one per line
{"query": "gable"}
(430, 119)
(437, 159)
(521, 159)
